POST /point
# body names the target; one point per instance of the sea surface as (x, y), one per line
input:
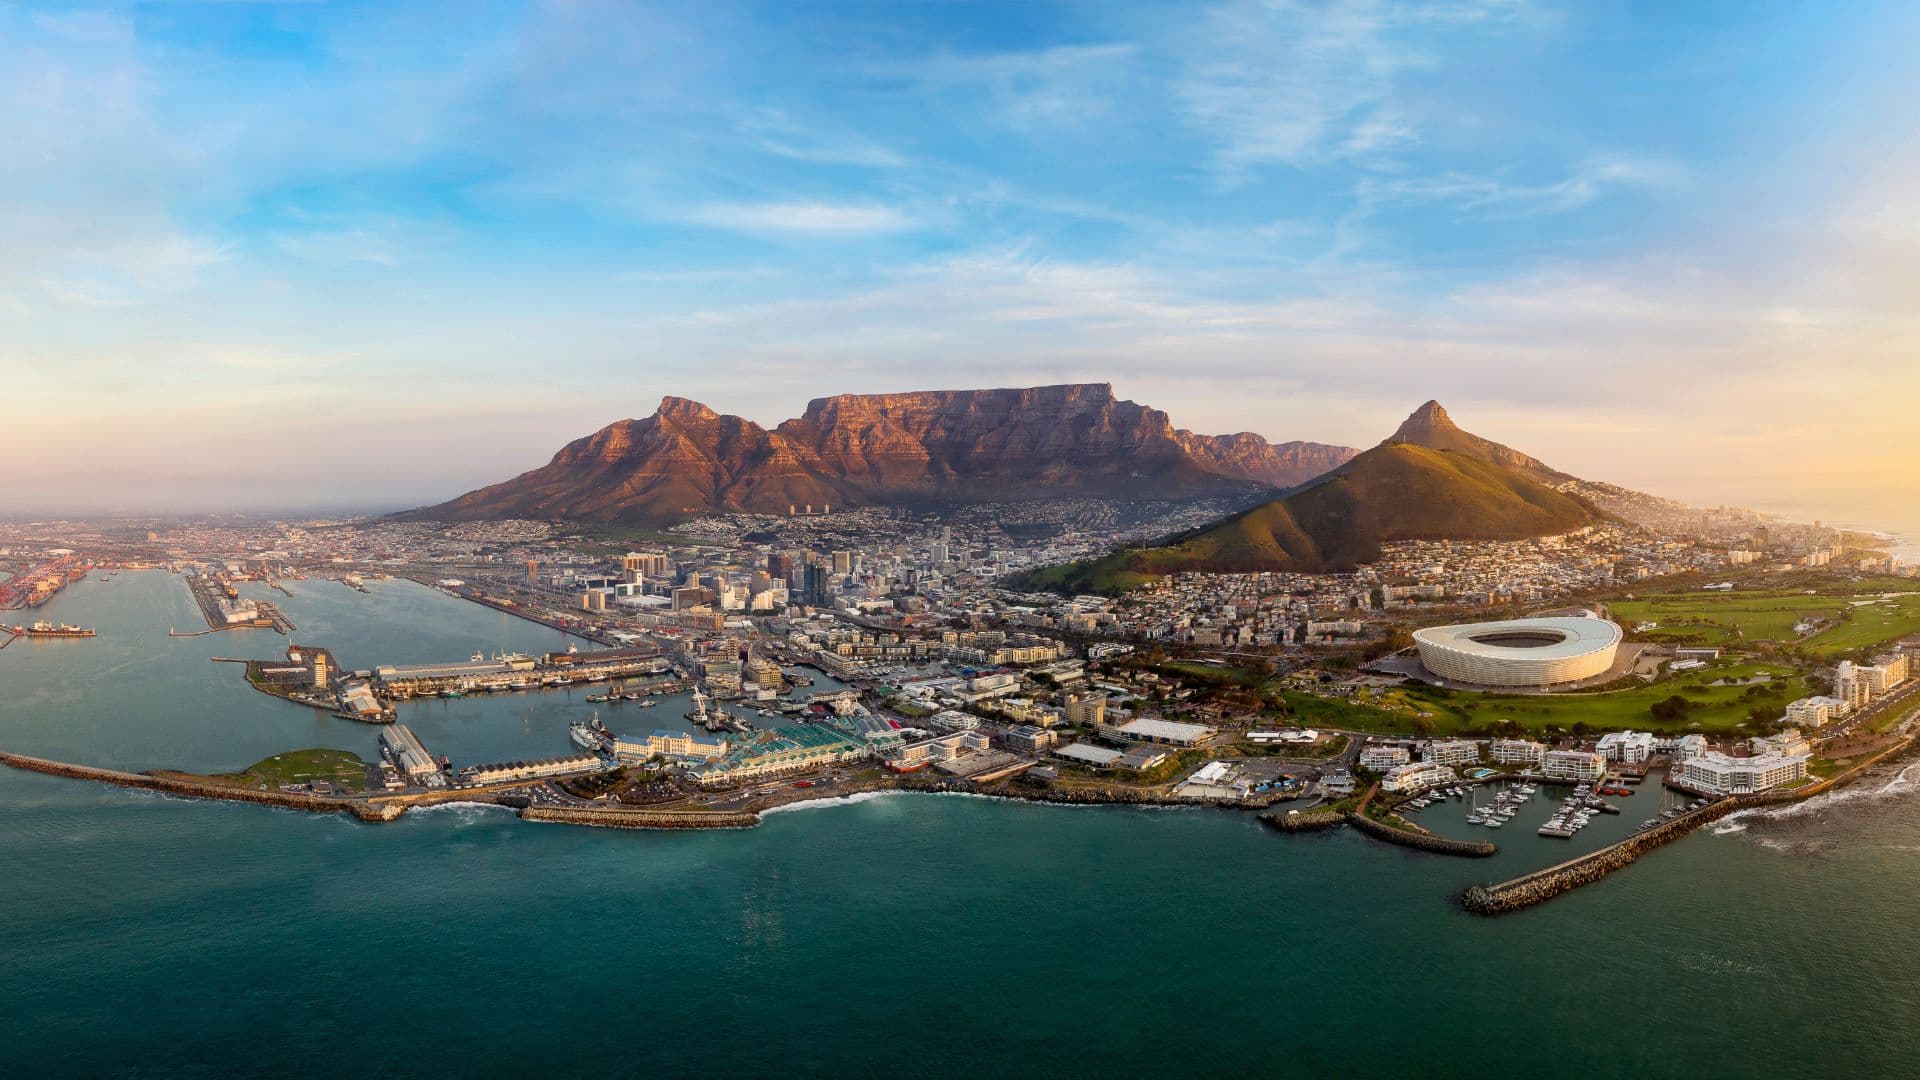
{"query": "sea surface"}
(934, 935)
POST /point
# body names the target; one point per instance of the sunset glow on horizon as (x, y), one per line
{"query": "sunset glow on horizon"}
(362, 257)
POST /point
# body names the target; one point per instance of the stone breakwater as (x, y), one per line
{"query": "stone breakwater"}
(1543, 885)
(1305, 820)
(641, 819)
(1066, 796)
(187, 787)
(1419, 839)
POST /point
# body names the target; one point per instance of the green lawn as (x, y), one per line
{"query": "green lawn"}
(1209, 673)
(1759, 616)
(1870, 625)
(343, 768)
(1423, 710)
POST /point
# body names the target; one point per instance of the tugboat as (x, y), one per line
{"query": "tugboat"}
(48, 630)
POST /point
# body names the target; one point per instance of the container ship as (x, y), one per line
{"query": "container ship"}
(48, 630)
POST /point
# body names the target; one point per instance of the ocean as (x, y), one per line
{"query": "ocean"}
(938, 935)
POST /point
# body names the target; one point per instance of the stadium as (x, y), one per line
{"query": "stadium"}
(1520, 652)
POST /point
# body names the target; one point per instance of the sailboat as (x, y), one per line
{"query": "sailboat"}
(1476, 814)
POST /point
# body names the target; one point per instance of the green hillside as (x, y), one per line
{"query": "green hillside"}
(1393, 492)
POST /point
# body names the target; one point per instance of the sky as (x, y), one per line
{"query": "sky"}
(367, 256)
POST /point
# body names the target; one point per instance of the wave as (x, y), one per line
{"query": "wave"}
(1899, 784)
(866, 796)
(837, 800)
(465, 811)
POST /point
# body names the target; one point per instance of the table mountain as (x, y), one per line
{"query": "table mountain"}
(917, 449)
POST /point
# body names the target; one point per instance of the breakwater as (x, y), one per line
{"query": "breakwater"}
(187, 787)
(1412, 836)
(642, 819)
(1067, 796)
(1305, 820)
(1543, 885)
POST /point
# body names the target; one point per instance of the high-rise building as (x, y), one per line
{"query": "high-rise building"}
(843, 563)
(814, 587)
(651, 564)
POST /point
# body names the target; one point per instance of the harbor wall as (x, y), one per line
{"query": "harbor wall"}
(1305, 820)
(1543, 885)
(193, 789)
(641, 819)
(1419, 840)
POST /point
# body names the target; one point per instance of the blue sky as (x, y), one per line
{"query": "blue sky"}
(407, 249)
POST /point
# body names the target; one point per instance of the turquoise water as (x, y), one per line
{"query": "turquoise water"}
(938, 935)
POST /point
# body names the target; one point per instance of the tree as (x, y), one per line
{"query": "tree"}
(1672, 710)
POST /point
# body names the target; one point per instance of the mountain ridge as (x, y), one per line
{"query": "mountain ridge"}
(915, 448)
(1468, 488)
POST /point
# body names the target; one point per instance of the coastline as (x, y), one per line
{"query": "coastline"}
(1495, 898)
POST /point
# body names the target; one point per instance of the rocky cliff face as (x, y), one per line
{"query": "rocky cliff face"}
(882, 449)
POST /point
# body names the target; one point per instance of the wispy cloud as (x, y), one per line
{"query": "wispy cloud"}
(1498, 197)
(1033, 90)
(778, 133)
(378, 240)
(1302, 84)
(823, 219)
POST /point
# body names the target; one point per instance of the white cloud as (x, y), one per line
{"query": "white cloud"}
(826, 219)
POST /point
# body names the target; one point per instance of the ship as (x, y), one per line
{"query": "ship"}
(48, 630)
(590, 734)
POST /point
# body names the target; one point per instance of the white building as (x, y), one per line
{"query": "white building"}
(1717, 774)
(1452, 752)
(1379, 757)
(1098, 757)
(1788, 743)
(529, 770)
(1516, 752)
(402, 747)
(1850, 685)
(671, 744)
(1626, 747)
(1572, 765)
(1813, 713)
(1520, 652)
(1415, 777)
(1166, 732)
(1689, 746)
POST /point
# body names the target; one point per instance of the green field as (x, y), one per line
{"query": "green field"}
(1426, 710)
(1757, 616)
(1717, 618)
(344, 769)
(1870, 625)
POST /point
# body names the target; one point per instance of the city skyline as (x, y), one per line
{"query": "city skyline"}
(1659, 248)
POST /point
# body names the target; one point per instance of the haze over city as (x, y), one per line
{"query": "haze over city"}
(404, 251)
(1339, 538)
